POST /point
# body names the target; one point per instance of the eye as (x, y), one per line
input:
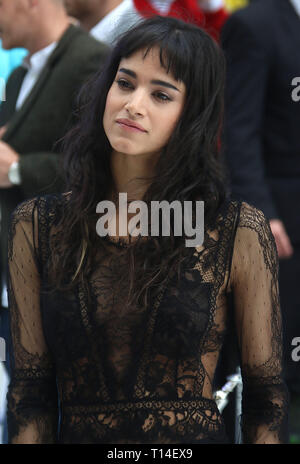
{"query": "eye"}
(124, 84)
(163, 97)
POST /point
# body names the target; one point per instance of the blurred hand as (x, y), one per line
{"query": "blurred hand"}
(7, 157)
(2, 131)
(283, 243)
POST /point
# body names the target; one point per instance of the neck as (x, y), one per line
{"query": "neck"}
(93, 17)
(47, 32)
(126, 169)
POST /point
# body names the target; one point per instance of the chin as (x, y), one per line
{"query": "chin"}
(124, 147)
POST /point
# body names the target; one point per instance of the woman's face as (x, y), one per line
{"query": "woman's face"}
(143, 105)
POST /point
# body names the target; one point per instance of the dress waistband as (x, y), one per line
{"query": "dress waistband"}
(202, 403)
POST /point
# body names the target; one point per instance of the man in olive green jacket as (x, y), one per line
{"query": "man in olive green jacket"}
(39, 102)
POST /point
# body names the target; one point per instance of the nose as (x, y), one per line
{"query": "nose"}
(136, 103)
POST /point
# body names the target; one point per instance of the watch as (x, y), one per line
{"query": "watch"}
(14, 173)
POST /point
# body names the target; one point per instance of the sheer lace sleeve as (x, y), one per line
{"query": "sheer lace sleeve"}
(254, 281)
(32, 394)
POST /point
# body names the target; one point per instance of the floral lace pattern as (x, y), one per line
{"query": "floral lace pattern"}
(145, 376)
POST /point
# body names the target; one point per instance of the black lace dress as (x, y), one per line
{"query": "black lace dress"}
(145, 377)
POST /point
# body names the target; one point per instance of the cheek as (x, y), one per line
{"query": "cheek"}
(111, 107)
(107, 111)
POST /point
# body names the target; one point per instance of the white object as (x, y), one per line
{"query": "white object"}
(221, 396)
(14, 173)
(118, 21)
(163, 6)
(4, 297)
(4, 381)
(211, 5)
(296, 5)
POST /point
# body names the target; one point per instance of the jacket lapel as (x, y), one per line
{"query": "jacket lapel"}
(7, 108)
(59, 51)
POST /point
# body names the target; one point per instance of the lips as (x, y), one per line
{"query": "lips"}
(130, 124)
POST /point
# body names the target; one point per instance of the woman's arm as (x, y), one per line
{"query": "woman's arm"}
(32, 402)
(254, 281)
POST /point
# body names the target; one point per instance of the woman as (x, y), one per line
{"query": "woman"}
(126, 331)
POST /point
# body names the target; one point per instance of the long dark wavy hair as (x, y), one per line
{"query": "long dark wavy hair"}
(189, 166)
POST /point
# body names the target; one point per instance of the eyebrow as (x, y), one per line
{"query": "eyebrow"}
(155, 81)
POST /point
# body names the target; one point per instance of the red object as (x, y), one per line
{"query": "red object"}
(188, 11)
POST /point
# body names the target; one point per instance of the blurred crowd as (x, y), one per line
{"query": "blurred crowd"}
(51, 47)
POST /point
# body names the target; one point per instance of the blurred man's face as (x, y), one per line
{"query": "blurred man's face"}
(76, 8)
(14, 23)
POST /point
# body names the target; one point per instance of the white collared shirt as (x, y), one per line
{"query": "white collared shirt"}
(124, 16)
(163, 6)
(116, 22)
(35, 65)
(296, 5)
